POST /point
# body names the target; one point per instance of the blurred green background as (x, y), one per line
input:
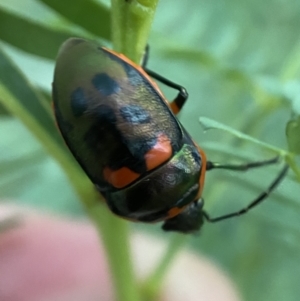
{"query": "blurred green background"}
(239, 61)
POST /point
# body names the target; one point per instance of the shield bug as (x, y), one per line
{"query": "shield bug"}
(124, 134)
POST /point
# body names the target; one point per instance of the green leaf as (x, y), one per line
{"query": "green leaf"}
(27, 174)
(18, 96)
(35, 38)
(293, 135)
(209, 124)
(90, 15)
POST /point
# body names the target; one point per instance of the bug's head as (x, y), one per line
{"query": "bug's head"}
(190, 220)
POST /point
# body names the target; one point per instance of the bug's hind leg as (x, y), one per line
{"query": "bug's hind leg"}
(255, 202)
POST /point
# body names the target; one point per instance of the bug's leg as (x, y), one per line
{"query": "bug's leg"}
(177, 104)
(241, 167)
(145, 57)
(255, 202)
(189, 220)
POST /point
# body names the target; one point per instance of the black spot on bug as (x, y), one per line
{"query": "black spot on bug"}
(103, 127)
(105, 84)
(117, 150)
(78, 102)
(106, 115)
(135, 114)
(106, 139)
(139, 147)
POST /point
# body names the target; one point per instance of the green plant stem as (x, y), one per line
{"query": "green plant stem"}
(153, 284)
(131, 22)
(114, 234)
(209, 124)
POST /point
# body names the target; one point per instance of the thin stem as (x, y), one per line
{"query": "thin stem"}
(114, 234)
(153, 284)
(131, 22)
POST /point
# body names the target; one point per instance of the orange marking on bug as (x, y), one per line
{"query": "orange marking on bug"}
(159, 153)
(121, 177)
(174, 211)
(175, 109)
